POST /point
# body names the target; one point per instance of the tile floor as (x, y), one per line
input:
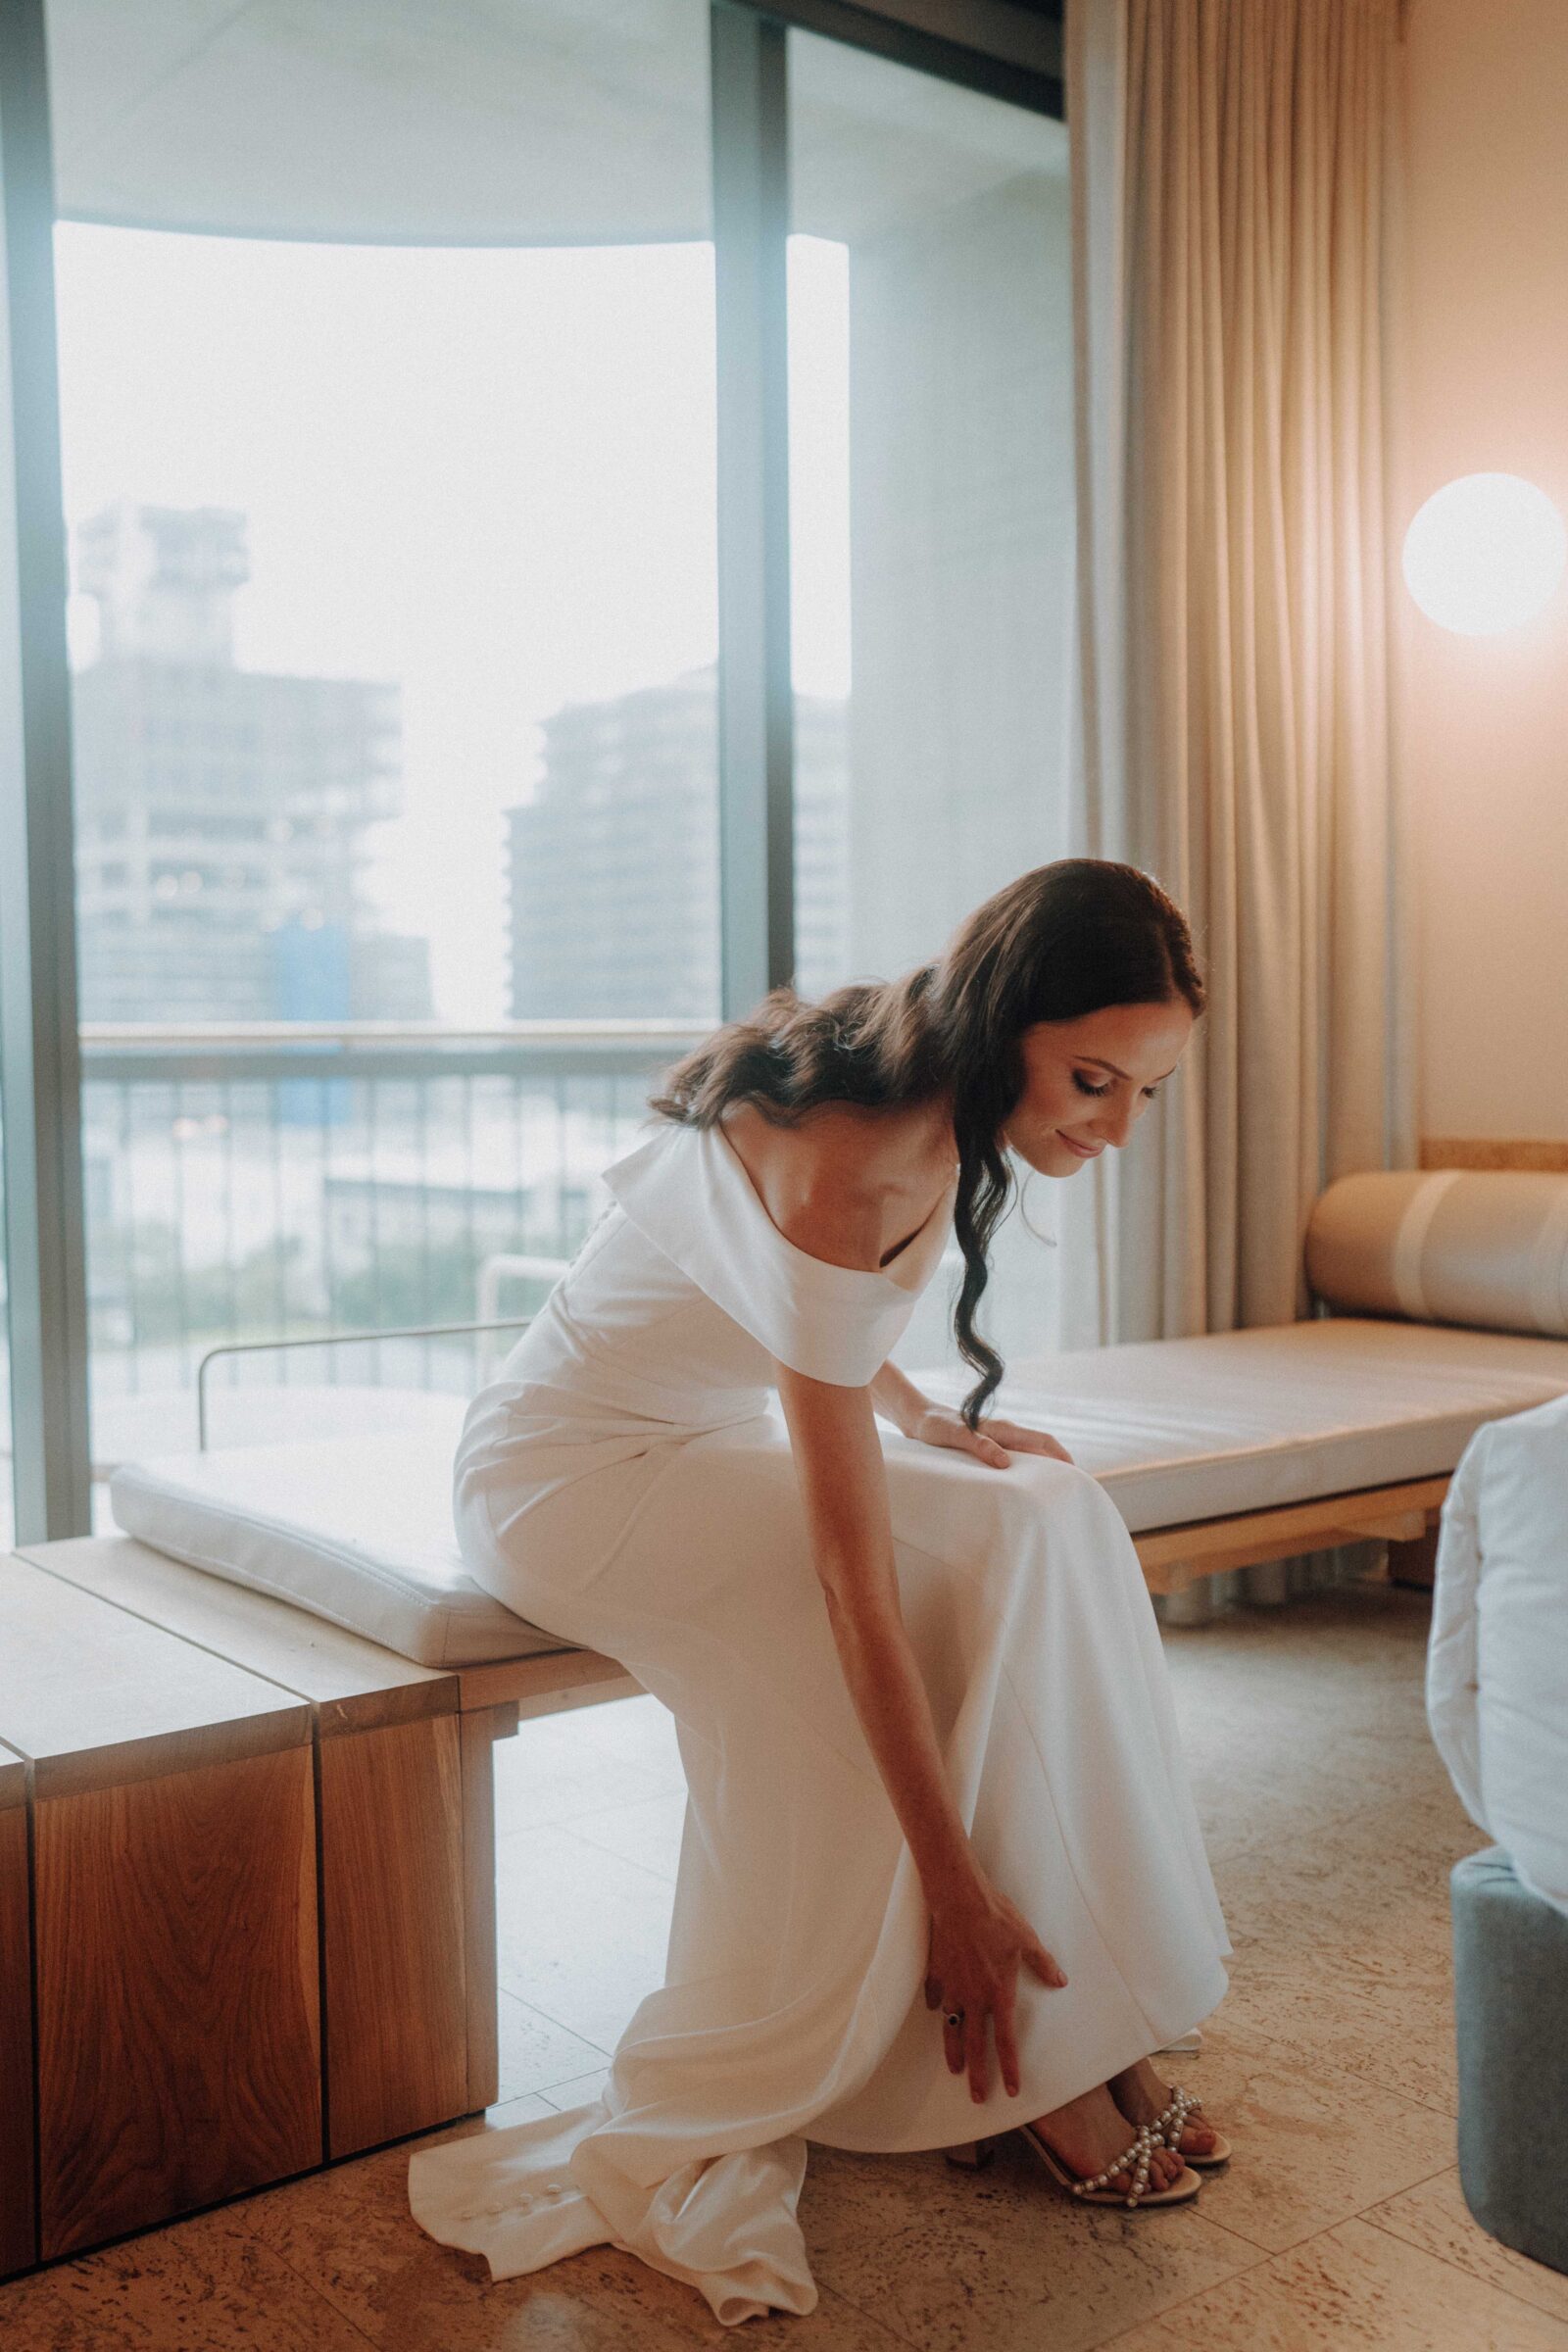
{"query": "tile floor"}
(1340, 2224)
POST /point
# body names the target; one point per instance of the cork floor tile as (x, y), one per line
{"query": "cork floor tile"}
(1379, 2017)
(1004, 2260)
(1434, 2216)
(535, 2050)
(647, 1833)
(608, 1931)
(194, 2287)
(1353, 2286)
(1313, 2145)
(349, 2233)
(576, 2091)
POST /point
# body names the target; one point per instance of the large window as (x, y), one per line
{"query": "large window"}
(392, 511)
(457, 415)
(931, 479)
(394, 639)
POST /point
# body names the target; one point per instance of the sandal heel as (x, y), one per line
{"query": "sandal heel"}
(971, 2155)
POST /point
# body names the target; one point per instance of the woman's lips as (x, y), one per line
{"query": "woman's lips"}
(1084, 1150)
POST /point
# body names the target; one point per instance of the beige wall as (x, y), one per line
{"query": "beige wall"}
(1484, 722)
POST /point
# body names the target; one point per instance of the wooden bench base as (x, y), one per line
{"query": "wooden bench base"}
(260, 1915)
(1402, 1516)
(268, 1939)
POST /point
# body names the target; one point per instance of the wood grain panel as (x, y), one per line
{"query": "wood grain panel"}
(17, 2222)
(96, 1698)
(481, 1732)
(1540, 1155)
(1173, 1556)
(546, 1684)
(392, 1931)
(355, 1684)
(178, 2024)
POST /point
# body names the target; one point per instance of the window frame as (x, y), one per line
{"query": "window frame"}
(1006, 49)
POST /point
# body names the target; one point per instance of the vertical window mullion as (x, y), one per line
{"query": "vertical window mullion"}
(756, 713)
(40, 1091)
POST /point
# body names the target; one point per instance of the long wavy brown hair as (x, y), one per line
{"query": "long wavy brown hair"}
(1060, 942)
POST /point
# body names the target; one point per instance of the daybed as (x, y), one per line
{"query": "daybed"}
(323, 1582)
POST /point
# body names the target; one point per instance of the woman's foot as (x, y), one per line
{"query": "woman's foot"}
(1091, 2131)
(1139, 2096)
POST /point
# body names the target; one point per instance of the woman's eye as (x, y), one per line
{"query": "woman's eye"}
(1151, 1092)
(1083, 1086)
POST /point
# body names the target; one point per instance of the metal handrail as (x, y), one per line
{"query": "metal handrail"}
(217, 1034)
(338, 1338)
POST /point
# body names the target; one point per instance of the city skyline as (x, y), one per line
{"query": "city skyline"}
(221, 812)
(484, 476)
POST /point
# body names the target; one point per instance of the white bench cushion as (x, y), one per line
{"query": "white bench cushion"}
(1178, 1430)
(1497, 1660)
(358, 1530)
(354, 1529)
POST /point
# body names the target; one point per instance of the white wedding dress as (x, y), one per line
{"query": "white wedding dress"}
(624, 1484)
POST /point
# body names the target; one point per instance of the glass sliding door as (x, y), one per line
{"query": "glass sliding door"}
(931, 501)
(387, 393)
(389, 400)
(931, 535)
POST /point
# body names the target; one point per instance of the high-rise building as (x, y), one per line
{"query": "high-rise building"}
(221, 813)
(613, 864)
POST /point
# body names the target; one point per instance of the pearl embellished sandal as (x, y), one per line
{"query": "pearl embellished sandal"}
(1133, 2161)
(1170, 2126)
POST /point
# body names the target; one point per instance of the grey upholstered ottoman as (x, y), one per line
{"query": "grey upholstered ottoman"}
(1511, 1959)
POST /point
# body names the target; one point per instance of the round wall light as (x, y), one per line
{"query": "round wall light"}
(1484, 553)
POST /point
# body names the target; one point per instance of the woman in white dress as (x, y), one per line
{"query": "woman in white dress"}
(919, 1692)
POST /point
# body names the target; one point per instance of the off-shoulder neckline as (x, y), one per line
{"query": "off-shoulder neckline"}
(907, 1251)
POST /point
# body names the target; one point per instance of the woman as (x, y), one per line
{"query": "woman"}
(920, 1697)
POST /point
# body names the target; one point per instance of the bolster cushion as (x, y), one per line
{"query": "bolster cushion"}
(1458, 1246)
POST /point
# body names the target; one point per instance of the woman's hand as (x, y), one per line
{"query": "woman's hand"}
(991, 1442)
(979, 1941)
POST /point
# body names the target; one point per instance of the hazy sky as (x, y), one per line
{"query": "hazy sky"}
(487, 474)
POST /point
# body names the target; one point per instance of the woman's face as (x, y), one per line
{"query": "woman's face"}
(1087, 1083)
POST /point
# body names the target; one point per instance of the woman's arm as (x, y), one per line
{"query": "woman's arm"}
(978, 1937)
(844, 1488)
(898, 1399)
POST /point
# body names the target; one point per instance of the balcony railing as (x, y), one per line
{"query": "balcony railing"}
(270, 1179)
(266, 1181)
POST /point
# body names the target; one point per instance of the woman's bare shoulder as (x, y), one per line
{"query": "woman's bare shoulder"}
(841, 1183)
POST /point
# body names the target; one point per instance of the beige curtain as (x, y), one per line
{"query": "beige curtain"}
(1230, 163)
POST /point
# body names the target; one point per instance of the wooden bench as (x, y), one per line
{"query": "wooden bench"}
(261, 1922)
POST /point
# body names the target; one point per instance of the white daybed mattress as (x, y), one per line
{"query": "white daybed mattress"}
(359, 1530)
(1177, 1430)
